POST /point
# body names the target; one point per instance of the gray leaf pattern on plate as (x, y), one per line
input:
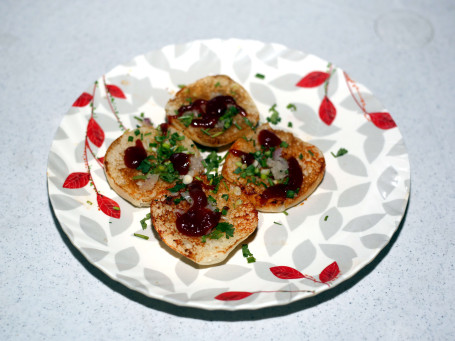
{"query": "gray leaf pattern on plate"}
(79, 152)
(394, 207)
(133, 283)
(92, 229)
(158, 279)
(117, 226)
(387, 181)
(373, 146)
(64, 202)
(60, 134)
(109, 124)
(331, 89)
(353, 165)
(328, 183)
(228, 272)
(181, 49)
(286, 293)
(304, 254)
(330, 226)
(268, 55)
(262, 270)
(58, 166)
(354, 195)
(275, 238)
(158, 59)
(286, 82)
(363, 223)
(95, 255)
(374, 241)
(262, 93)
(372, 104)
(311, 121)
(186, 273)
(315, 204)
(178, 298)
(342, 254)
(242, 66)
(323, 145)
(398, 149)
(207, 294)
(126, 259)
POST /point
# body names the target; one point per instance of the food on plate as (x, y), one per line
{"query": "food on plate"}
(142, 158)
(214, 111)
(274, 168)
(203, 220)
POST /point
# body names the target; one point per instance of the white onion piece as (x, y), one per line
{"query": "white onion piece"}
(277, 154)
(149, 183)
(278, 168)
(196, 166)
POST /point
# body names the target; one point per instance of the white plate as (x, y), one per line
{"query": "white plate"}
(335, 233)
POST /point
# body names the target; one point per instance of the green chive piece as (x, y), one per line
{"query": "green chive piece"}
(141, 236)
(259, 75)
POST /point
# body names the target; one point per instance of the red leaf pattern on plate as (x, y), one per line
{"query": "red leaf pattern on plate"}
(83, 100)
(115, 91)
(286, 272)
(101, 159)
(108, 206)
(382, 120)
(327, 111)
(76, 180)
(233, 295)
(329, 273)
(95, 133)
(313, 79)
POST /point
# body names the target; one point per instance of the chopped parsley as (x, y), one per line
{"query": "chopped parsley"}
(301, 156)
(291, 107)
(326, 217)
(290, 124)
(143, 221)
(220, 229)
(284, 144)
(340, 152)
(141, 236)
(225, 197)
(247, 254)
(275, 117)
(259, 75)
(130, 139)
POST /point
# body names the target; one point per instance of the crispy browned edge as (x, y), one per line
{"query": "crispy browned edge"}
(315, 162)
(207, 88)
(120, 178)
(243, 216)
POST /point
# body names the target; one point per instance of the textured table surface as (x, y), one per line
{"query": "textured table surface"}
(403, 51)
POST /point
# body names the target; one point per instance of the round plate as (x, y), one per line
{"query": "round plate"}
(338, 230)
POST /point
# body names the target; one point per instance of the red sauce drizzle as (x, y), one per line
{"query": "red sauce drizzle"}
(280, 190)
(268, 139)
(209, 112)
(134, 155)
(181, 162)
(164, 128)
(247, 158)
(198, 220)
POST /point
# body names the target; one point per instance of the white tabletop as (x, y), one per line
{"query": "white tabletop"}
(403, 51)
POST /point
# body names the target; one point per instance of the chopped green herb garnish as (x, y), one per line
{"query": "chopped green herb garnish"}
(143, 221)
(89, 202)
(217, 84)
(285, 213)
(301, 156)
(141, 236)
(137, 132)
(291, 106)
(178, 200)
(181, 86)
(247, 254)
(310, 152)
(211, 200)
(290, 124)
(237, 126)
(220, 229)
(340, 152)
(275, 117)
(284, 144)
(217, 134)
(225, 197)
(224, 211)
(130, 139)
(178, 186)
(326, 217)
(259, 75)
(116, 208)
(277, 223)
(206, 131)
(138, 118)
(290, 194)
(186, 119)
(140, 177)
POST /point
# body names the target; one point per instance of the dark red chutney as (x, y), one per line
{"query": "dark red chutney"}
(247, 158)
(209, 112)
(164, 128)
(134, 155)
(280, 190)
(268, 139)
(181, 162)
(198, 220)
